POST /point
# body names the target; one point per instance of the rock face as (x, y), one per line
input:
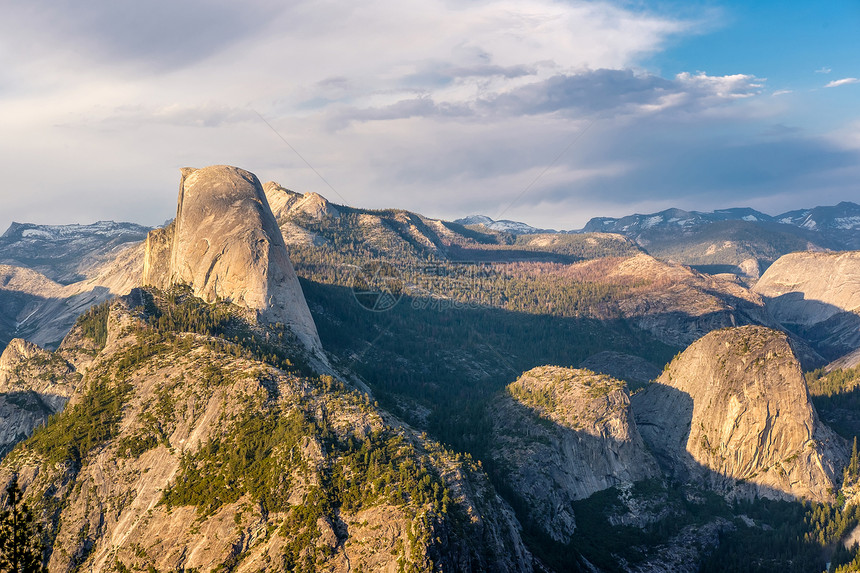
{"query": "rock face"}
(225, 243)
(679, 305)
(180, 454)
(561, 435)
(733, 411)
(34, 307)
(34, 384)
(818, 295)
(156, 258)
(286, 203)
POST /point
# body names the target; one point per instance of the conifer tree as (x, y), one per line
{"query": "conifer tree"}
(20, 536)
(854, 464)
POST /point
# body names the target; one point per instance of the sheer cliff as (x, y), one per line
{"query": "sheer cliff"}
(561, 435)
(225, 243)
(733, 412)
(818, 296)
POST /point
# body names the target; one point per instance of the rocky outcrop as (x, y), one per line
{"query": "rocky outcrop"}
(225, 243)
(34, 384)
(285, 203)
(23, 365)
(817, 295)
(179, 452)
(34, 307)
(560, 435)
(156, 265)
(733, 412)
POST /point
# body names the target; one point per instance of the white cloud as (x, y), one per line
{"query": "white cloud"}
(842, 82)
(111, 93)
(729, 87)
(209, 114)
(823, 70)
(429, 105)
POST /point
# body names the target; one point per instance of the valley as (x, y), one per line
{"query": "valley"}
(273, 382)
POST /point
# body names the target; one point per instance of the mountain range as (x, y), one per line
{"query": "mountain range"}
(829, 220)
(275, 382)
(741, 241)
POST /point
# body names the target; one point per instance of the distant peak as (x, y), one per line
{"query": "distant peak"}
(13, 228)
(504, 225)
(474, 220)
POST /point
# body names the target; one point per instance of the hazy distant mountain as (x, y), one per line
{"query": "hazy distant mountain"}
(65, 253)
(831, 221)
(504, 225)
(844, 216)
(839, 224)
(742, 241)
(675, 219)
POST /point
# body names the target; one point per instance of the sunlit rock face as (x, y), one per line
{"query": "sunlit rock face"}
(817, 295)
(225, 243)
(733, 412)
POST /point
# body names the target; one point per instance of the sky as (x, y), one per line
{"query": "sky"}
(548, 112)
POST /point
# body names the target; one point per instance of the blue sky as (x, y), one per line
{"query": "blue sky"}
(796, 46)
(550, 112)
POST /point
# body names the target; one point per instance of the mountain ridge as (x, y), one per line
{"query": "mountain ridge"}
(199, 433)
(128, 490)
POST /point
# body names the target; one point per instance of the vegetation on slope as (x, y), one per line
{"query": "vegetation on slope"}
(263, 452)
(71, 435)
(93, 324)
(836, 395)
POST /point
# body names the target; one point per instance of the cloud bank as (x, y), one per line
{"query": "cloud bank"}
(439, 107)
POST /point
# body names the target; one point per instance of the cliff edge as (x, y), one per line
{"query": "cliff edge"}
(225, 243)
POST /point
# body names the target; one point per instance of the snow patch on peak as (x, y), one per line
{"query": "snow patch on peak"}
(475, 220)
(847, 222)
(651, 221)
(503, 225)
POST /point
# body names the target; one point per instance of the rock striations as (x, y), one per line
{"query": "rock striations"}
(34, 384)
(225, 243)
(817, 294)
(561, 435)
(34, 307)
(733, 412)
